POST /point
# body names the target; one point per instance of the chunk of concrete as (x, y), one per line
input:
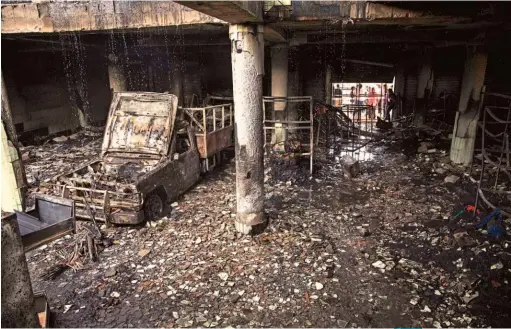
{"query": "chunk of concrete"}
(424, 147)
(351, 167)
(451, 179)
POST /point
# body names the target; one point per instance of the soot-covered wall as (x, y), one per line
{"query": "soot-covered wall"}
(49, 88)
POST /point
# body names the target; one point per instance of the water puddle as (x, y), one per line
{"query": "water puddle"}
(362, 154)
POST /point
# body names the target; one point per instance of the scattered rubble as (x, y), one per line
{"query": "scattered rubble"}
(351, 166)
(451, 179)
(46, 161)
(379, 264)
(374, 250)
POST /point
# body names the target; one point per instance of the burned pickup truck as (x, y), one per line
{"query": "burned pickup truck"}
(147, 157)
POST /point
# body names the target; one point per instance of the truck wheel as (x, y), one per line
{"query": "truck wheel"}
(219, 158)
(153, 207)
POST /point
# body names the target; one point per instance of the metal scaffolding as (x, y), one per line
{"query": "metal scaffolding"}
(300, 140)
(495, 177)
(344, 129)
(214, 126)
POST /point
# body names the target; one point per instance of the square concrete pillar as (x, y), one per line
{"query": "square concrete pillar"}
(279, 86)
(467, 117)
(424, 87)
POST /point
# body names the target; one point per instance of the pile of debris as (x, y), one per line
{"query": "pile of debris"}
(82, 249)
(372, 250)
(57, 156)
(287, 169)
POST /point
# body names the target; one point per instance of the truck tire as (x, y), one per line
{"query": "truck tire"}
(153, 207)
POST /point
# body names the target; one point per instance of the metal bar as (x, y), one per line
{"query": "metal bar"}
(488, 203)
(507, 150)
(222, 98)
(496, 191)
(311, 118)
(106, 209)
(498, 120)
(357, 61)
(505, 168)
(214, 119)
(264, 128)
(223, 117)
(194, 120)
(94, 190)
(319, 129)
(327, 131)
(297, 128)
(482, 159)
(278, 121)
(498, 95)
(502, 150)
(204, 138)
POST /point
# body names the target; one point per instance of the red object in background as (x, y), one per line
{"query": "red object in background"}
(320, 110)
(472, 208)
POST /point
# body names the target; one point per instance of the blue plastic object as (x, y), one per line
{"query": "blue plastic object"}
(493, 222)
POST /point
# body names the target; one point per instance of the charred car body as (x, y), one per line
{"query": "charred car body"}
(148, 157)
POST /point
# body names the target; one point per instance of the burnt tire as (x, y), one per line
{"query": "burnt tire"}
(153, 207)
(219, 158)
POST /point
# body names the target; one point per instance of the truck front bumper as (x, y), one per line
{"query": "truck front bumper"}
(121, 217)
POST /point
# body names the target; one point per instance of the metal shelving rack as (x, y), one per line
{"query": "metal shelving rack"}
(293, 125)
(495, 150)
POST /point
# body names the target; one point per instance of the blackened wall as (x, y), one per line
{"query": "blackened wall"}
(49, 88)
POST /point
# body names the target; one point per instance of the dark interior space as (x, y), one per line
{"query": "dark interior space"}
(256, 164)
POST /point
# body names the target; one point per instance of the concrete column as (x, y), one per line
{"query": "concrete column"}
(399, 89)
(13, 178)
(465, 124)
(247, 53)
(424, 87)
(116, 74)
(328, 85)
(7, 114)
(150, 77)
(279, 78)
(399, 84)
(294, 88)
(18, 303)
(13, 175)
(176, 78)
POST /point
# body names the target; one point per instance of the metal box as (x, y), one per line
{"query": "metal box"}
(51, 218)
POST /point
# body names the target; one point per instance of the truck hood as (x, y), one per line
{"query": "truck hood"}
(140, 122)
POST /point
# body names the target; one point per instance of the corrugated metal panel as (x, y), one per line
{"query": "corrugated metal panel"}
(497, 71)
(410, 93)
(314, 80)
(449, 84)
(315, 87)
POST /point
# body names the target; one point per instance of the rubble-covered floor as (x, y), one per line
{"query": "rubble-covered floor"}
(57, 156)
(373, 251)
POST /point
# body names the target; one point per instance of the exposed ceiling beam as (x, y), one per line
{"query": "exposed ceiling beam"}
(274, 34)
(53, 42)
(233, 12)
(358, 61)
(389, 38)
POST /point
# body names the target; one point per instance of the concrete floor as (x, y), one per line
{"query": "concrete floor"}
(373, 251)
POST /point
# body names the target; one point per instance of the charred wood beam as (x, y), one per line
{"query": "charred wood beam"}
(431, 38)
(233, 12)
(357, 61)
(7, 115)
(53, 42)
